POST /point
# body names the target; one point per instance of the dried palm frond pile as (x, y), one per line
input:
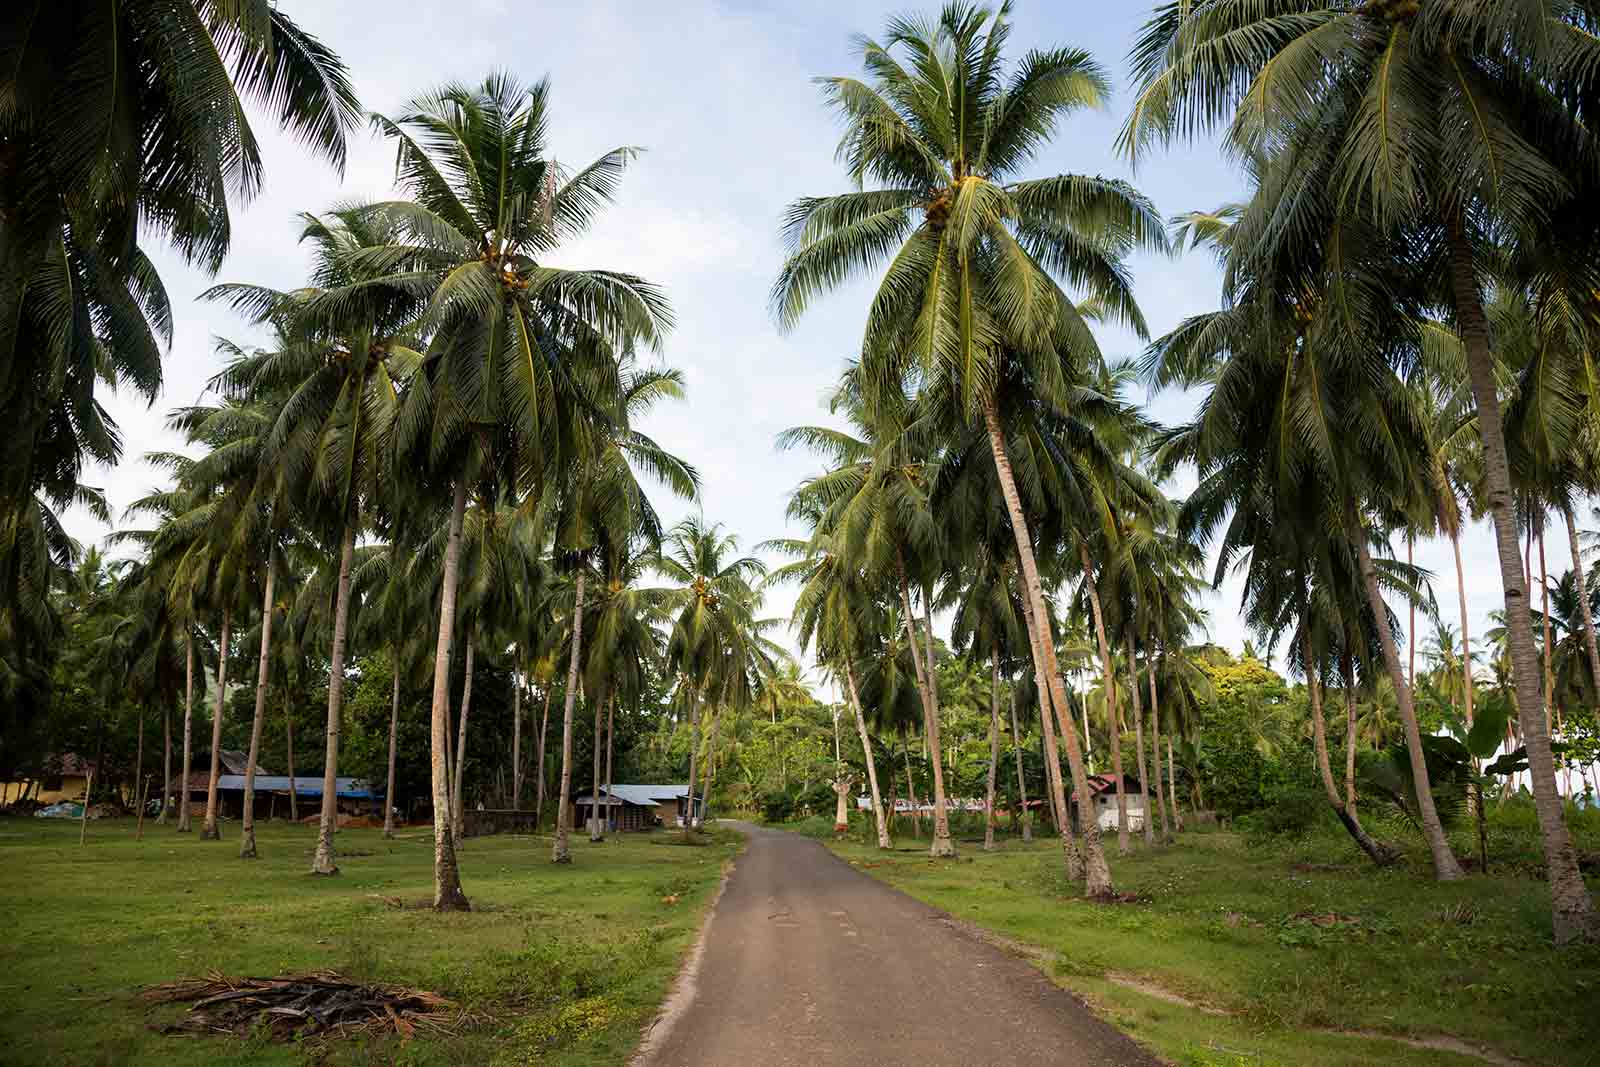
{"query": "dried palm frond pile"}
(322, 1002)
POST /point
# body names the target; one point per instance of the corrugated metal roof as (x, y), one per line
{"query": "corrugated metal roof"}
(647, 796)
(303, 786)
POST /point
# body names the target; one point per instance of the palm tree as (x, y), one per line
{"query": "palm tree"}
(518, 349)
(1429, 128)
(973, 253)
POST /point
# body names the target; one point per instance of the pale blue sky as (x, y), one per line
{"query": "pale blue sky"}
(720, 97)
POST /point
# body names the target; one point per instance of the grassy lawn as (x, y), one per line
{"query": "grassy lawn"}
(570, 962)
(1278, 947)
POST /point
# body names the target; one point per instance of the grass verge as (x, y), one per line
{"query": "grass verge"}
(568, 962)
(1241, 954)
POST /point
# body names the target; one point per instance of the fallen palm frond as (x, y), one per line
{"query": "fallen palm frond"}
(321, 1002)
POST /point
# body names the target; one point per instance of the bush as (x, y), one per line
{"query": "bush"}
(778, 806)
(1292, 810)
(817, 800)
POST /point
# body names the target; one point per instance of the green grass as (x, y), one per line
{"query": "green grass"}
(570, 962)
(1228, 926)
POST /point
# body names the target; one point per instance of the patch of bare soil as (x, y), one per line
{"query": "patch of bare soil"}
(1150, 989)
(1439, 1043)
(321, 1003)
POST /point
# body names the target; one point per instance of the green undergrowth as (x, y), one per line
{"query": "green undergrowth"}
(559, 965)
(1281, 941)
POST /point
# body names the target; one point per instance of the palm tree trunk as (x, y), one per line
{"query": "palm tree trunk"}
(1172, 786)
(1349, 732)
(1022, 786)
(994, 747)
(1113, 711)
(247, 826)
(188, 729)
(1584, 615)
(694, 755)
(166, 764)
(1445, 866)
(1071, 858)
(561, 851)
(1549, 644)
(1097, 875)
(1572, 910)
(516, 735)
(1466, 633)
(911, 793)
(596, 826)
(866, 754)
(1319, 739)
(394, 731)
(927, 683)
(322, 862)
(447, 894)
(611, 733)
(138, 778)
(458, 814)
(708, 769)
(1155, 752)
(208, 829)
(288, 736)
(1138, 743)
(1411, 625)
(544, 734)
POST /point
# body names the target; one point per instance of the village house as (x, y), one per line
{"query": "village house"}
(354, 795)
(63, 777)
(637, 807)
(1103, 800)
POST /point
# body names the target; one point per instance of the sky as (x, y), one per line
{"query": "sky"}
(720, 97)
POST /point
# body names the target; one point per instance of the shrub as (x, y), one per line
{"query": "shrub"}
(778, 806)
(1292, 810)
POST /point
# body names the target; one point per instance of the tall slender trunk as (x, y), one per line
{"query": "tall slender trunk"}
(1589, 645)
(927, 685)
(1411, 624)
(1097, 875)
(611, 733)
(694, 755)
(911, 793)
(539, 750)
(866, 754)
(516, 735)
(323, 862)
(1349, 732)
(247, 826)
(288, 737)
(1572, 910)
(208, 829)
(1445, 866)
(1466, 633)
(447, 894)
(709, 767)
(1319, 739)
(166, 764)
(1138, 743)
(1544, 609)
(561, 851)
(596, 826)
(1022, 786)
(394, 730)
(994, 747)
(458, 813)
(1071, 858)
(1172, 786)
(138, 778)
(1113, 711)
(1155, 752)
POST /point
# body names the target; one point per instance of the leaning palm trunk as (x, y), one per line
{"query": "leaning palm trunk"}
(1319, 740)
(447, 894)
(561, 851)
(516, 738)
(1589, 644)
(1113, 710)
(1022, 786)
(394, 730)
(1466, 633)
(866, 754)
(1097, 875)
(1138, 743)
(1445, 867)
(1071, 858)
(322, 862)
(458, 815)
(927, 686)
(208, 829)
(596, 825)
(994, 749)
(1572, 910)
(544, 733)
(247, 826)
(1155, 753)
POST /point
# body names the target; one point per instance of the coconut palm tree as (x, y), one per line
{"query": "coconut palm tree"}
(1421, 131)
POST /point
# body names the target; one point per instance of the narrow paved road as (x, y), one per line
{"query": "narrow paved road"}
(808, 961)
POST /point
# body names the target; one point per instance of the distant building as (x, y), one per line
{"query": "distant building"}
(272, 790)
(63, 777)
(1103, 799)
(637, 807)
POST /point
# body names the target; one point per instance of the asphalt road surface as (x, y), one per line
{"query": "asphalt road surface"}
(809, 961)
